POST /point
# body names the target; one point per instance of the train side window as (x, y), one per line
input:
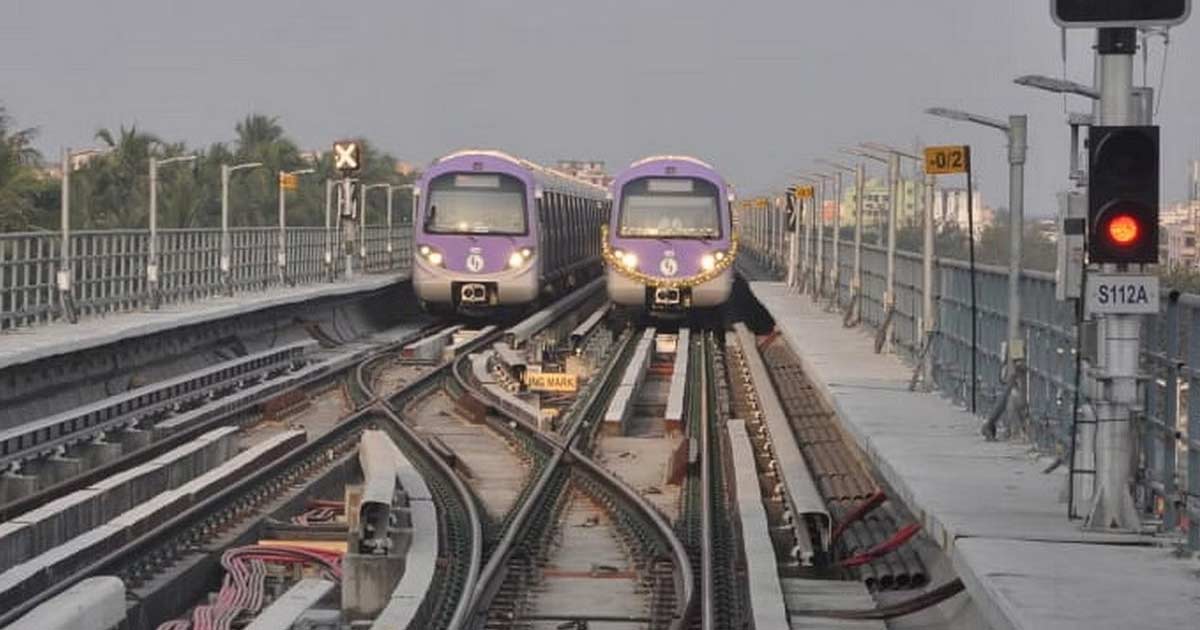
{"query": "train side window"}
(571, 252)
(552, 241)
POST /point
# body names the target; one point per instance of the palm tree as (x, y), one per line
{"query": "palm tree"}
(257, 130)
(118, 185)
(261, 138)
(18, 179)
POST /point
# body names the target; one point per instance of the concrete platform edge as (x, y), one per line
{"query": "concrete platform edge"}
(991, 604)
(202, 315)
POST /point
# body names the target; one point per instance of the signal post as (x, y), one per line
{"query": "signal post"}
(347, 161)
(1122, 238)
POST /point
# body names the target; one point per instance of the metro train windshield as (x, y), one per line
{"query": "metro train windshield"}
(476, 203)
(678, 207)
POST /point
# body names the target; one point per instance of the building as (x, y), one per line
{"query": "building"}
(1178, 227)
(950, 210)
(1177, 246)
(1194, 181)
(588, 170)
(875, 200)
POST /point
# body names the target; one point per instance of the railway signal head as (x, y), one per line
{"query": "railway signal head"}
(1123, 179)
(1119, 13)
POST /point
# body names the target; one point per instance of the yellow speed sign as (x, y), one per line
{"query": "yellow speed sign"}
(947, 160)
(551, 382)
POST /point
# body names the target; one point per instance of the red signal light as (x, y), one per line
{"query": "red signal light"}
(1124, 230)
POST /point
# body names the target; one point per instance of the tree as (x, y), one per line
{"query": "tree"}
(19, 180)
(116, 186)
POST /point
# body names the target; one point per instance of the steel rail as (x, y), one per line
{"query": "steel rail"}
(45, 435)
(707, 599)
(177, 527)
(570, 454)
(180, 437)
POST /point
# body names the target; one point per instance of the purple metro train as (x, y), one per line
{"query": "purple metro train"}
(670, 242)
(496, 231)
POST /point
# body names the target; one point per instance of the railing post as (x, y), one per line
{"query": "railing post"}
(328, 229)
(226, 242)
(836, 273)
(927, 315)
(856, 288)
(1193, 431)
(819, 285)
(1170, 418)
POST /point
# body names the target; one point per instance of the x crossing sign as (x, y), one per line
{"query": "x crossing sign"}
(347, 156)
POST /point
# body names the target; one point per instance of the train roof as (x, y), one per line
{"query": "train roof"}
(686, 166)
(546, 177)
(680, 158)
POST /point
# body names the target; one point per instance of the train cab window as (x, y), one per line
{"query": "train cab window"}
(476, 203)
(670, 207)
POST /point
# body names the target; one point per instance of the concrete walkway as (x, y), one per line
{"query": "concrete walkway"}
(23, 345)
(988, 504)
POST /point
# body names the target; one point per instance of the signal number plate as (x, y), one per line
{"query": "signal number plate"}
(1120, 294)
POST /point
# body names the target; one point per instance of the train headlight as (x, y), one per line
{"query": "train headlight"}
(432, 255)
(628, 260)
(520, 257)
(710, 261)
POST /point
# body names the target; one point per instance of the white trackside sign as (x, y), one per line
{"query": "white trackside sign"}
(346, 155)
(1121, 294)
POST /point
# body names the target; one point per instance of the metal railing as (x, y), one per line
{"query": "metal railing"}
(108, 268)
(1169, 471)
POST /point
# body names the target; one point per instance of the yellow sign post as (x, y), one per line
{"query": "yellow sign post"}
(551, 382)
(288, 181)
(805, 192)
(947, 160)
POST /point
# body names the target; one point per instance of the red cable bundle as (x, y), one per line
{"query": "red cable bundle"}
(245, 576)
(882, 549)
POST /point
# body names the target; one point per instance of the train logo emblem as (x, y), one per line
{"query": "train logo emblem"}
(669, 267)
(475, 263)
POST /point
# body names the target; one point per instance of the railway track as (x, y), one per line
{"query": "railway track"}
(540, 524)
(175, 546)
(573, 492)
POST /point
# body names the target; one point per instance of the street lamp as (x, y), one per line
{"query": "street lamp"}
(362, 227)
(854, 313)
(840, 169)
(152, 267)
(64, 273)
(819, 212)
(285, 178)
(1016, 131)
(1058, 86)
(879, 237)
(893, 185)
(809, 259)
(1074, 120)
(226, 242)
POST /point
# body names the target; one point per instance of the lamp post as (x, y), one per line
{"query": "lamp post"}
(152, 267)
(879, 235)
(363, 225)
(390, 219)
(821, 271)
(226, 242)
(285, 178)
(840, 169)
(809, 266)
(1074, 119)
(64, 276)
(895, 184)
(1016, 131)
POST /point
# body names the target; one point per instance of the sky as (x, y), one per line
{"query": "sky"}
(757, 88)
